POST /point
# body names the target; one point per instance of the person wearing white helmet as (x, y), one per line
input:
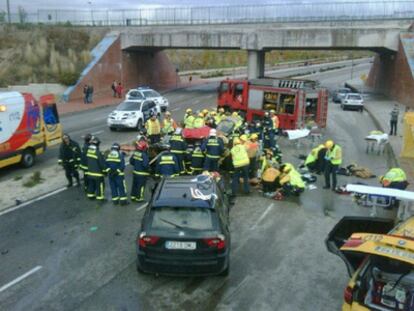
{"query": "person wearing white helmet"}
(213, 147)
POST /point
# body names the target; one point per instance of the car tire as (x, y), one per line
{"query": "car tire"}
(226, 271)
(343, 107)
(139, 270)
(361, 110)
(28, 158)
(139, 125)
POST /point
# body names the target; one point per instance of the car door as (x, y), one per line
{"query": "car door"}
(345, 228)
(146, 110)
(153, 107)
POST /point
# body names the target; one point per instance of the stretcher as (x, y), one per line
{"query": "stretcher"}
(383, 197)
(376, 142)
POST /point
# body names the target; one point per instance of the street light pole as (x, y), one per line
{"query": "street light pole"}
(90, 6)
(8, 12)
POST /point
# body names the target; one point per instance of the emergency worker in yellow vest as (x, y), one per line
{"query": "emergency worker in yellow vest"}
(199, 121)
(241, 162)
(333, 159)
(189, 119)
(395, 178)
(221, 114)
(315, 161)
(239, 120)
(168, 124)
(270, 179)
(290, 181)
(153, 128)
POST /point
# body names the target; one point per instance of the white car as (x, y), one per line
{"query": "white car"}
(147, 93)
(353, 101)
(132, 114)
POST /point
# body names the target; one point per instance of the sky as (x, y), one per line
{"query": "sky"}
(34, 5)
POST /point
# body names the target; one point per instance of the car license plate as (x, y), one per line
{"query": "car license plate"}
(180, 245)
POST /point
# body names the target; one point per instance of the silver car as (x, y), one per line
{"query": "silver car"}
(147, 93)
(353, 101)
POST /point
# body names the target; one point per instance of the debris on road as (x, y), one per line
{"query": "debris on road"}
(93, 229)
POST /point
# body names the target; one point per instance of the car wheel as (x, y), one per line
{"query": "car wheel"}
(361, 110)
(28, 158)
(139, 270)
(139, 125)
(343, 107)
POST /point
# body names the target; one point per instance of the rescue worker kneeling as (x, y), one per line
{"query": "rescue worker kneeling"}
(395, 178)
(315, 161)
(95, 171)
(290, 181)
(270, 180)
(140, 162)
(167, 165)
(115, 163)
(241, 163)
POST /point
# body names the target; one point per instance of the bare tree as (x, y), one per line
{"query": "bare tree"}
(22, 15)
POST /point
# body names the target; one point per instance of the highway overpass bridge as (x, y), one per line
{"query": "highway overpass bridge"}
(134, 55)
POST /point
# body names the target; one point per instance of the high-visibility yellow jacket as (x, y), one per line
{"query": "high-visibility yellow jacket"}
(239, 156)
(198, 122)
(313, 155)
(188, 121)
(394, 175)
(334, 155)
(168, 125)
(153, 127)
(270, 174)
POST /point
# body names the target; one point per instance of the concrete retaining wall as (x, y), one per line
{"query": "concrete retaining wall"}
(39, 89)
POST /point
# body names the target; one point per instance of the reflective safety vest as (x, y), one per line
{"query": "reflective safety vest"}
(313, 155)
(217, 119)
(295, 179)
(239, 156)
(95, 163)
(270, 174)
(198, 122)
(168, 126)
(213, 147)
(197, 159)
(115, 163)
(153, 127)
(252, 148)
(177, 144)
(395, 175)
(167, 165)
(140, 162)
(189, 121)
(334, 155)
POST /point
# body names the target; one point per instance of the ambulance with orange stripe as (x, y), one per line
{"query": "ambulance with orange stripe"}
(27, 127)
(379, 256)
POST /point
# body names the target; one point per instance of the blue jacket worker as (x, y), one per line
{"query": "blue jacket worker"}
(179, 149)
(167, 165)
(95, 171)
(115, 163)
(213, 147)
(140, 162)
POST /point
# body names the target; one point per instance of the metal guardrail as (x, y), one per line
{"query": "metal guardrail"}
(282, 12)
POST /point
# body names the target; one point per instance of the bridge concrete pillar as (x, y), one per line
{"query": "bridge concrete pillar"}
(255, 64)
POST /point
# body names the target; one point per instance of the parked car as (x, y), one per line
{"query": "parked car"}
(182, 234)
(379, 257)
(132, 114)
(353, 101)
(339, 94)
(141, 93)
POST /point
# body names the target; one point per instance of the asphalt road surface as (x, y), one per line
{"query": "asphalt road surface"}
(66, 253)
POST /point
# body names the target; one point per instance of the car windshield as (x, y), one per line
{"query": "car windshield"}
(128, 106)
(354, 97)
(136, 95)
(226, 126)
(344, 91)
(150, 94)
(182, 218)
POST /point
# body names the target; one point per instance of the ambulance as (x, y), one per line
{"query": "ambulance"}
(27, 127)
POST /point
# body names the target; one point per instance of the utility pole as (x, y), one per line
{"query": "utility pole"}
(8, 12)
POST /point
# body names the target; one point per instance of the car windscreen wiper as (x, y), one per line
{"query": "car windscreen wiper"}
(175, 225)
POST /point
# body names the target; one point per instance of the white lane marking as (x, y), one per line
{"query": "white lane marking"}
(176, 109)
(98, 132)
(262, 217)
(32, 201)
(20, 278)
(141, 207)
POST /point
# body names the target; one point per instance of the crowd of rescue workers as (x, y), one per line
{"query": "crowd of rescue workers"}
(249, 154)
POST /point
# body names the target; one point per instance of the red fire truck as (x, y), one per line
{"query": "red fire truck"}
(296, 102)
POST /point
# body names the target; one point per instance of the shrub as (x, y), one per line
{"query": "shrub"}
(68, 78)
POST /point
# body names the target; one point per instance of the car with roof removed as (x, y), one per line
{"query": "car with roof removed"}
(186, 228)
(379, 257)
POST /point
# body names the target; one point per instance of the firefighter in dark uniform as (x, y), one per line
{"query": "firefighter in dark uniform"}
(70, 158)
(268, 131)
(187, 159)
(95, 171)
(115, 163)
(178, 148)
(140, 162)
(197, 161)
(167, 165)
(213, 148)
(86, 142)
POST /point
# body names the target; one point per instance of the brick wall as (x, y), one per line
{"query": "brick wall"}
(392, 76)
(131, 68)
